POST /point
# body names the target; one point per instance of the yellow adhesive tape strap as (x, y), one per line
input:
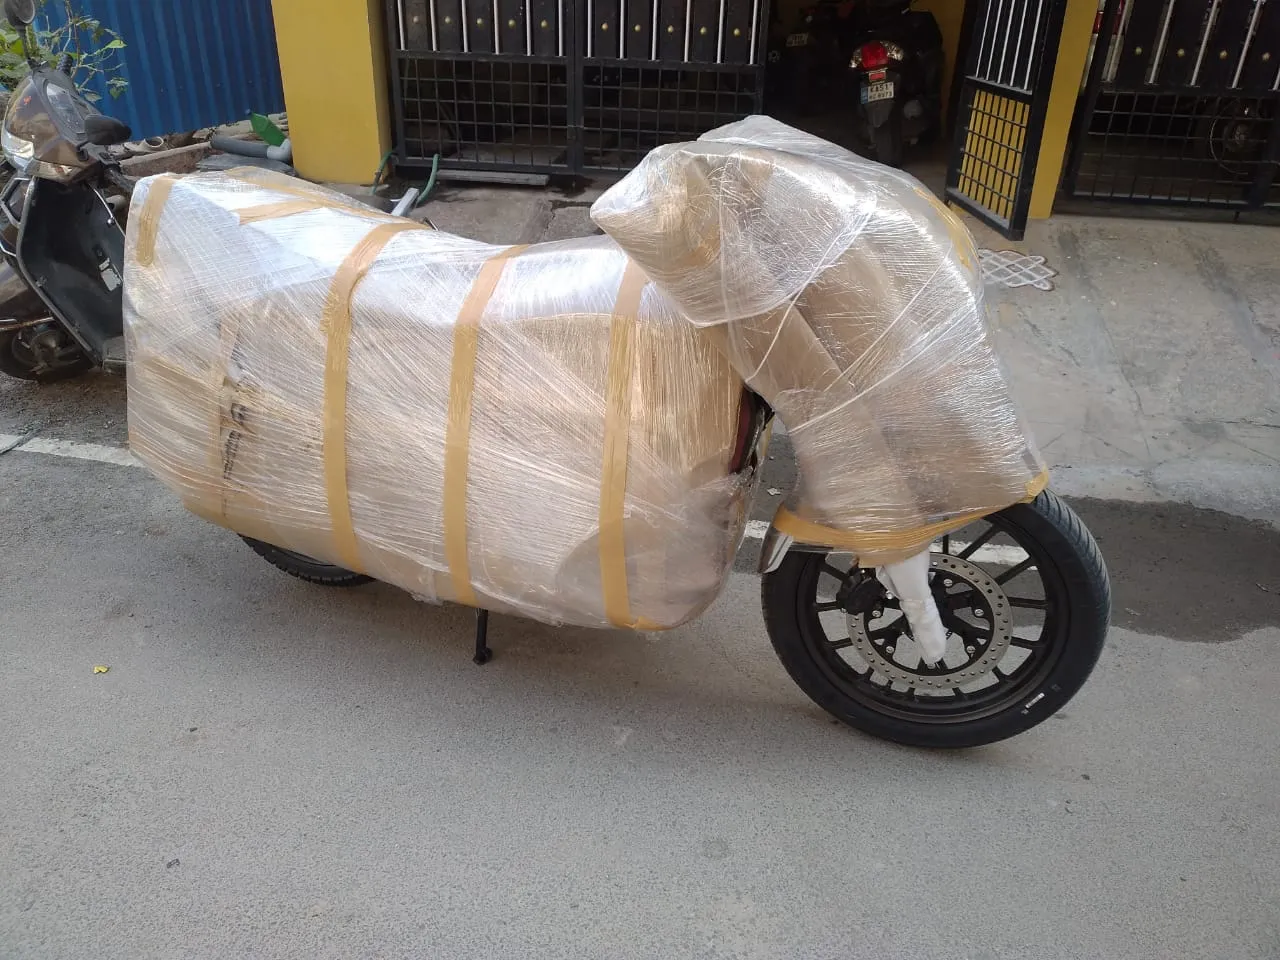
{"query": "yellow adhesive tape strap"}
(617, 431)
(283, 183)
(807, 531)
(457, 442)
(308, 198)
(336, 322)
(148, 220)
(1036, 486)
(292, 187)
(273, 211)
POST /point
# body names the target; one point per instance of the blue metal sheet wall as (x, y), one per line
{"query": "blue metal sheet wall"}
(189, 63)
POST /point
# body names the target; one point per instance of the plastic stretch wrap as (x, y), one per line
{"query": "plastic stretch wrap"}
(534, 430)
(851, 299)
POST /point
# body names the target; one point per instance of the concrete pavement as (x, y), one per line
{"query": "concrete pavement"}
(1151, 370)
(270, 769)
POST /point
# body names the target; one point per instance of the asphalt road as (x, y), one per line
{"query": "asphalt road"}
(270, 769)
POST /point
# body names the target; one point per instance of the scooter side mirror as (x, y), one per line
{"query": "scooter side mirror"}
(20, 13)
(103, 131)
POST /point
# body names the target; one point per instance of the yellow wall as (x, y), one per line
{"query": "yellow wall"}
(333, 62)
(1073, 50)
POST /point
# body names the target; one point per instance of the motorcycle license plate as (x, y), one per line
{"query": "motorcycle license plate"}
(797, 40)
(872, 92)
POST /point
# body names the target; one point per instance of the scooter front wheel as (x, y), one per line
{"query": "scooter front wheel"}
(25, 357)
(1023, 593)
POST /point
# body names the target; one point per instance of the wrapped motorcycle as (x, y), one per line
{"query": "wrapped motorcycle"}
(572, 431)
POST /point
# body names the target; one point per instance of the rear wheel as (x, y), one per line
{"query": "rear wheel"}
(1025, 598)
(305, 568)
(887, 141)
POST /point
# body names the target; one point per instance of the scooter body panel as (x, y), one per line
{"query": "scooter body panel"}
(19, 304)
(70, 251)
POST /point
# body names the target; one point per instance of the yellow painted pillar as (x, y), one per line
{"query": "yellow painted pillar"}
(1068, 74)
(333, 62)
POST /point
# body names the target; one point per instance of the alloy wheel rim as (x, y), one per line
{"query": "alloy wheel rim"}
(993, 662)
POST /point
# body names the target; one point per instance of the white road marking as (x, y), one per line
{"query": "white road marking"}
(756, 529)
(72, 450)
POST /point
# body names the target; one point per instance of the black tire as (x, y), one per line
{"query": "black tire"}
(887, 140)
(305, 568)
(1076, 605)
(1233, 134)
(17, 361)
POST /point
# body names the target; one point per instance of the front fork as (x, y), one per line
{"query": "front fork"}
(907, 580)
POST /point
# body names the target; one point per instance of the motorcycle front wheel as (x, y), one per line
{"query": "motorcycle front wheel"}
(1026, 600)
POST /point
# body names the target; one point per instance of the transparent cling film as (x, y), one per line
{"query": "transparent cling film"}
(551, 430)
(850, 298)
(529, 429)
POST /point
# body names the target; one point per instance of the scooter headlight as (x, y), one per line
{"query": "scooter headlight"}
(17, 151)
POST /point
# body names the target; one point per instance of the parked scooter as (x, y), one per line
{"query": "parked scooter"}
(812, 62)
(897, 61)
(61, 235)
(63, 211)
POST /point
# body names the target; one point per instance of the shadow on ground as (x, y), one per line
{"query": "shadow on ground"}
(1185, 573)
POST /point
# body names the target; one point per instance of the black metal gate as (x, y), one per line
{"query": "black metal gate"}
(568, 86)
(1004, 93)
(1180, 106)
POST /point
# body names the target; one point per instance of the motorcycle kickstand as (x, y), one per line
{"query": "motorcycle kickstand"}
(483, 653)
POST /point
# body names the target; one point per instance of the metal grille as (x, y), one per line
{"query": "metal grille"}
(555, 86)
(1003, 99)
(992, 159)
(485, 113)
(628, 110)
(1180, 106)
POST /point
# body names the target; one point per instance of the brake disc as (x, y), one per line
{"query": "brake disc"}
(989, 597)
